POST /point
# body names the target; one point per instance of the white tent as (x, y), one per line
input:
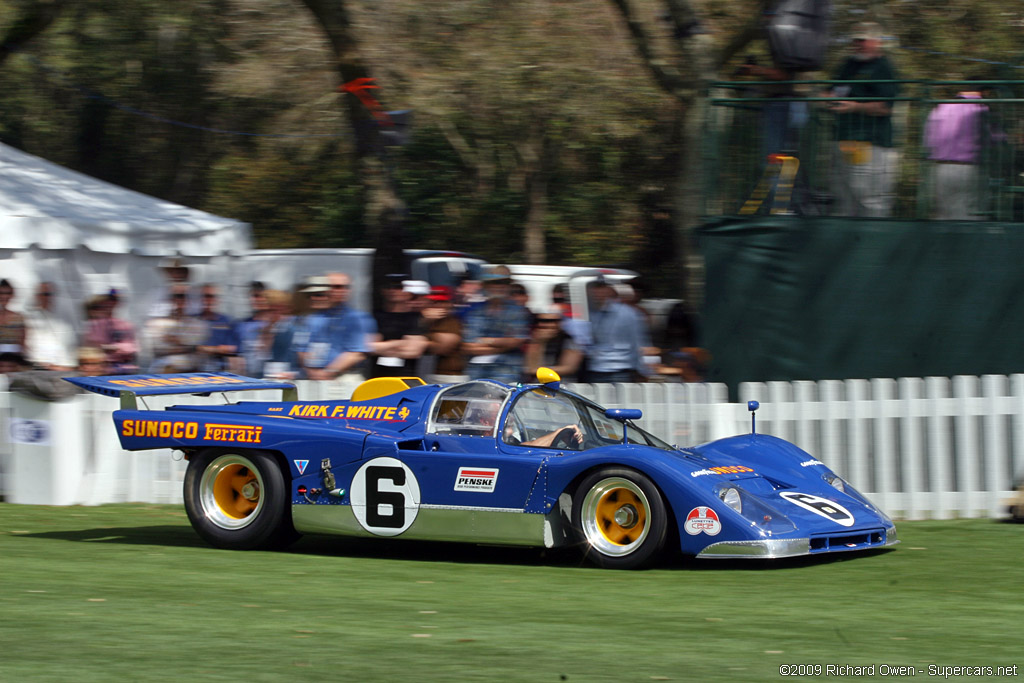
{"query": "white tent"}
(89, 236)
(46, 205)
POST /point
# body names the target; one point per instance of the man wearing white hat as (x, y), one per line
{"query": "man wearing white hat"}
(866, 169)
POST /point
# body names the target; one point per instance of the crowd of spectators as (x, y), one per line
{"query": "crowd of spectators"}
(478, 329)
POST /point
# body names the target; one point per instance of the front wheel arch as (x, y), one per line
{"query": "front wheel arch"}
(620, 518)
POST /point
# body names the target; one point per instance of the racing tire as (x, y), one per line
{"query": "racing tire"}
(620, 518)
(238, 500)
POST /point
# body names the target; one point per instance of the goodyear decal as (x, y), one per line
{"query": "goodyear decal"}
(235, 433)
(176, 381)
(164, 429)
(351, 412)
(480, 479)
(729, 469)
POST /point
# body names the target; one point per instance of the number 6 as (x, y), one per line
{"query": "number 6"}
(385, 496)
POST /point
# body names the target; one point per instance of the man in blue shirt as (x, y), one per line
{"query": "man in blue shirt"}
(617, 337)
(338, 336)
(222, 341)
(495, 332)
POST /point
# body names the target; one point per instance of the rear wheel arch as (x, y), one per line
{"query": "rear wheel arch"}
(239, 498)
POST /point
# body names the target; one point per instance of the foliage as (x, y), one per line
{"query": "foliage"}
(531, 117)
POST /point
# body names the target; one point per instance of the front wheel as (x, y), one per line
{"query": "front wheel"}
(238, 499)
(620, 518)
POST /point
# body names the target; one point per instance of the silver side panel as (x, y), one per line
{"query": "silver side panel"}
(768, 549)
(442, 523)
(771, 548)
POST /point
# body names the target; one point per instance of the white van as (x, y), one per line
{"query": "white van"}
(541, 280)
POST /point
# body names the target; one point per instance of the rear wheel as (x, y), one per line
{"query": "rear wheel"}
(620, 518)
(238, 499)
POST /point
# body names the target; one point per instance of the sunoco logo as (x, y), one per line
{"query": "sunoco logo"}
(479, 479)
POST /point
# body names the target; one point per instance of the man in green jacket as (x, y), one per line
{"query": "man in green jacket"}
(866, 167)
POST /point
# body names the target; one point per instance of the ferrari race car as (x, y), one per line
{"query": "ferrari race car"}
(483, 462)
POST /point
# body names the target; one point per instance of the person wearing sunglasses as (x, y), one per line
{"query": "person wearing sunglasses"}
(51, 339)
(550, 346)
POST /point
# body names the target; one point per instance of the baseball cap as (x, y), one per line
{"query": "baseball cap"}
(316, 284)
(867, 30)
(416, 287)
(440, 293)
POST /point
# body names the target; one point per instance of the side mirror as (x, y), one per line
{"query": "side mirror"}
(623, 414)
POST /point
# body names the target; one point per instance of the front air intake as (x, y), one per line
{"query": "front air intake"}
(857, 540)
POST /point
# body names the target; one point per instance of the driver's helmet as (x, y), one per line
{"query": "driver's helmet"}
(483, 412)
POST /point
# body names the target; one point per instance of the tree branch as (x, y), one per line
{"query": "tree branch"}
(667, 78)
(750, 32)
(34, 21)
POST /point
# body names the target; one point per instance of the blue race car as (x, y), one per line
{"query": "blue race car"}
(483, 462)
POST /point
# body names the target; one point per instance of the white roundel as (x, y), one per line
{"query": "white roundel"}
(820, 506)
(385, 496)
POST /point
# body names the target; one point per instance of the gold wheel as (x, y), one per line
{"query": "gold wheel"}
(615, 516)
(231, 491)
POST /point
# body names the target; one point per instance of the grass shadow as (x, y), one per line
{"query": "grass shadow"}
(180, 536)
(176, 536)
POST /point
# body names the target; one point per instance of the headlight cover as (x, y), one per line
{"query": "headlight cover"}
(835, 482)
(731, 497)
(765, 518)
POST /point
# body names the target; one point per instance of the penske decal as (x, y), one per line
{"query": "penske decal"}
(164, 429)
(478, 479)
(730, 469)
(176, 381)
(236, 433)
(351, 412)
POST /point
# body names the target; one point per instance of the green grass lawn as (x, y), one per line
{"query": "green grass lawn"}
(129, 593)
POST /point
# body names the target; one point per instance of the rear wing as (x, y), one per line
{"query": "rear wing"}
(127, 387)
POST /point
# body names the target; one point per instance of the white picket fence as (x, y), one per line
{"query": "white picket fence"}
(920, 448)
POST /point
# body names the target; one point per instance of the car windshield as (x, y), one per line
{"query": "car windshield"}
(469, 409)
(539, 417)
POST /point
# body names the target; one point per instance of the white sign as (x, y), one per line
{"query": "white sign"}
(30, 432)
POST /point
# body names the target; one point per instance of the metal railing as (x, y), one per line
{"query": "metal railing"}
(752, 134)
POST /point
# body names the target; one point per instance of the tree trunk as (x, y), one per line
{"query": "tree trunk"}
(688, 84)
(33, 21)
(384, 213)
(536, 164)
